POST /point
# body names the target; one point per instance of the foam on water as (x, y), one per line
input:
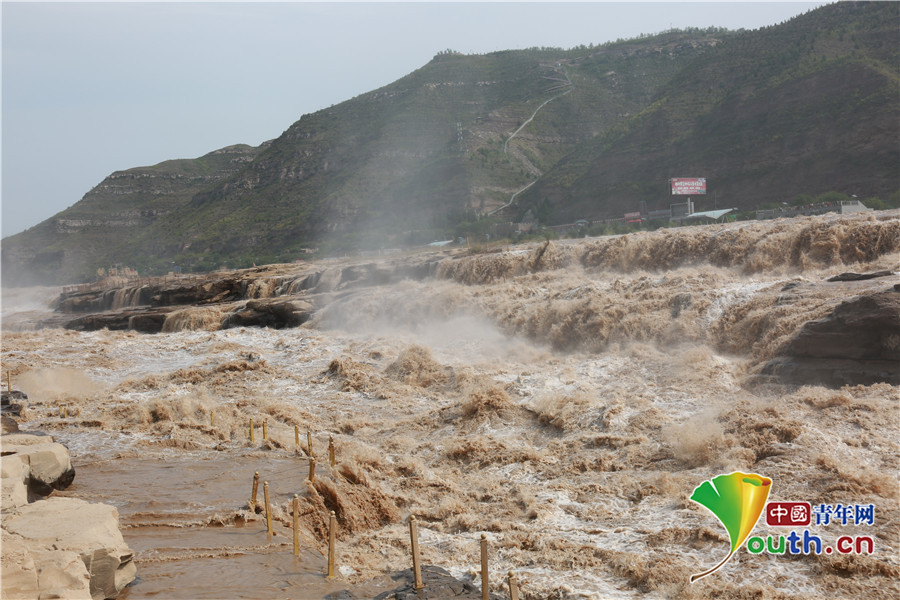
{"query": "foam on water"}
(566, 407)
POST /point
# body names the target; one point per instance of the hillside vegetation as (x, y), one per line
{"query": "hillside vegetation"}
(805, 107)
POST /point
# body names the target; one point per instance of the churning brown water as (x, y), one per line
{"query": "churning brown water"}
(565, 400)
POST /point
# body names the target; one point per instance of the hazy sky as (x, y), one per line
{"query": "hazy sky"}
(91, 88)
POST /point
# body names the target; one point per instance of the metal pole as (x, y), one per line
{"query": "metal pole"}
(309, 442)
(312, 470)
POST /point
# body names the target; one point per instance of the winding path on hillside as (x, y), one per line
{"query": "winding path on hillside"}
(528, 165)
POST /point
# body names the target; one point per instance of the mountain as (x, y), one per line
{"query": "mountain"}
(110, 224)
(807, 106)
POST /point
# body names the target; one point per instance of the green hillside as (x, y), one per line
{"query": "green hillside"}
(805, 107)
(405, 163)
(110, 224)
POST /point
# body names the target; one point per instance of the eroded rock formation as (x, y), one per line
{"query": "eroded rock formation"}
(46, 464)
(858, 343)
(55, 528)
(55, 547)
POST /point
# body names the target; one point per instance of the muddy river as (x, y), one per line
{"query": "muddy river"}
(567, 412)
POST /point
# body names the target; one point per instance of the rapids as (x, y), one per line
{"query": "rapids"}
(565, 400)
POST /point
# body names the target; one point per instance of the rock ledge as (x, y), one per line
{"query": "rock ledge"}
(55, 547)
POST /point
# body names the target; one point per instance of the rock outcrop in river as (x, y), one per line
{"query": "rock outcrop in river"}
(55, 547)
(855, 345)
(858, 343)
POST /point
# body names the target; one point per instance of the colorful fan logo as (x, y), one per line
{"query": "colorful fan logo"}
(737, 500)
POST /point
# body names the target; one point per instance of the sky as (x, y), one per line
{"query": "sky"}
(92, 88)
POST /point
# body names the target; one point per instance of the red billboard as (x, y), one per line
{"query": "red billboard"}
(688, 186)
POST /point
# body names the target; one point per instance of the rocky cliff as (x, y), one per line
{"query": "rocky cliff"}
(110, 224)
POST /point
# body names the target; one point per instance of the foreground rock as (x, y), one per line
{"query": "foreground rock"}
(30, 573)
(55, 547)
(70, 525)
(45, 464)
(15, 476)
(857, 344)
